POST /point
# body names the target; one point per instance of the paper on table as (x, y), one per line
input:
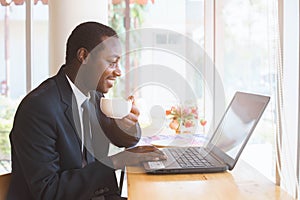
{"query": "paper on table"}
(175, 140)
(184, 140)
(172, 143)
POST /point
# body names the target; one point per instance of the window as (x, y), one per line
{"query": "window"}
(13, 64)
(13, 81)
(237, 34)
(242, 37)
(181, 20)
(244, 46)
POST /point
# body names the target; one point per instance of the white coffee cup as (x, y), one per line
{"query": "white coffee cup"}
(115, 108)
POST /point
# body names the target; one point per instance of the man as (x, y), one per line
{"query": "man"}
(49, 144)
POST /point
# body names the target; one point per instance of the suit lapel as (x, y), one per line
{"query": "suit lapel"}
(68, 99)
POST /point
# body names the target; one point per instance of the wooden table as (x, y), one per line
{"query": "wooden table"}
(243, 182)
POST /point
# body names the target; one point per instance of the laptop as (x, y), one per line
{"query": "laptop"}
(225, 146)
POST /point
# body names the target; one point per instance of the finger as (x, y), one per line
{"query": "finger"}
(132, 117)
(155, 153)
(159, 152)
(146, 155)
(124, 124)
(135, 110)
(153, 149)
(128, 122)
(147, 148)
(152, 158)
(143, 149)
(131, 98)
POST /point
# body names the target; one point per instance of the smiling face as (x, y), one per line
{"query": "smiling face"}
(111, 57)
(102, 65)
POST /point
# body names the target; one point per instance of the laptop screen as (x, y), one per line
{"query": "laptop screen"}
(238, 123)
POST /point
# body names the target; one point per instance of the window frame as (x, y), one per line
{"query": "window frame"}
(28, 42)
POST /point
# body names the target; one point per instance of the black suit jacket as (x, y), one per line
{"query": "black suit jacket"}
(46, 149)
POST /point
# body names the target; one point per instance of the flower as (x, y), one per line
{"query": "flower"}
(182, 116)
(203, 122)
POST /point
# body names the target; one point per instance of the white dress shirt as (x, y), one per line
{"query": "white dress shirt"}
(80, 98)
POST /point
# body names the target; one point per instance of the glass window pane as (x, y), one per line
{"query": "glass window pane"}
(243, 49)
(13, 65)
(40, 46)
(13, 71)
(181, 17)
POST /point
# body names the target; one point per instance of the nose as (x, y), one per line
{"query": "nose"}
(117, 71)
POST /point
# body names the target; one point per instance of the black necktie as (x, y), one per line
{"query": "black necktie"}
(87, 136)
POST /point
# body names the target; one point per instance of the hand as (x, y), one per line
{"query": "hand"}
(131, 119)
(136, 155)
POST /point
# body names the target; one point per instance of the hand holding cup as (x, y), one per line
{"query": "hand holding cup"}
(125, 112)
(132, 118)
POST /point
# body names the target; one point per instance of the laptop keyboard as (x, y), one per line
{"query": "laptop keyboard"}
(189, 157)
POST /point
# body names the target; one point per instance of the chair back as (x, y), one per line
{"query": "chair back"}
(4, 185)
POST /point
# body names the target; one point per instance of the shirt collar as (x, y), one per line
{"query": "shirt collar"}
(79, 96)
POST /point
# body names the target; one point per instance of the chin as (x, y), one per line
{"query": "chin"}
(103, 90)
(103, 87)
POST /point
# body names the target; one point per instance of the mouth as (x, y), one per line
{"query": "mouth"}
(111, 81)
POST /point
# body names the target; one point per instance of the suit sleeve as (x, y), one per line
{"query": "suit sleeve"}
(34, 137)
(126, 138)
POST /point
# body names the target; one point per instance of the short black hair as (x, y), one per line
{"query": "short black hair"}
(87, 35)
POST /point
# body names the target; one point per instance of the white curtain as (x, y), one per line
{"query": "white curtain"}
(286, 60)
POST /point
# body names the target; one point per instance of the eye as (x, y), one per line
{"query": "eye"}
(113, 64)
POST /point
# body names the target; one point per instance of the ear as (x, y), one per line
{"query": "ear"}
(82, 54)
